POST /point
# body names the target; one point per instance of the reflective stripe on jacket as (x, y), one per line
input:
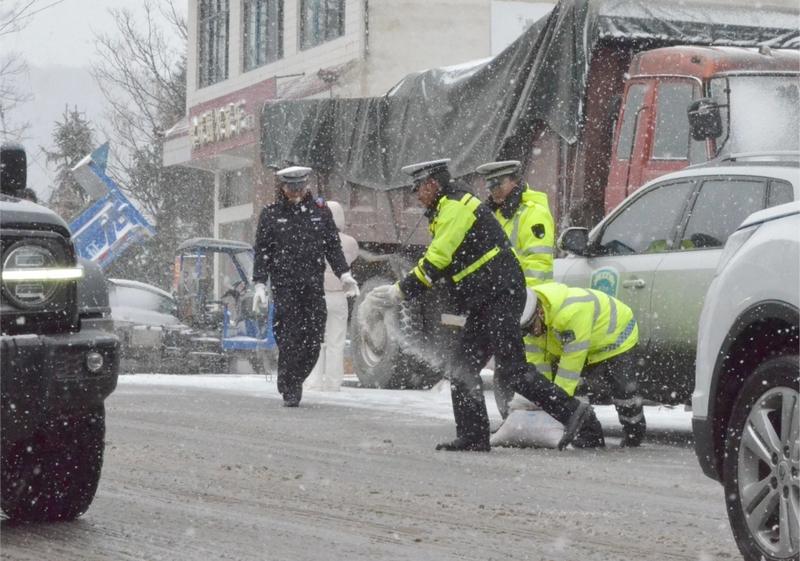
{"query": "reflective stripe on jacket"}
(584, 326)
(465, 238)
(531, 231)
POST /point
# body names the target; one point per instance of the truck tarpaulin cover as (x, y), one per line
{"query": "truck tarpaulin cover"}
(488, 109)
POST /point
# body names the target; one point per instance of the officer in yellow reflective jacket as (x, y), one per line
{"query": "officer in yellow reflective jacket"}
(525, 217)
(575, 334)
(470, 254)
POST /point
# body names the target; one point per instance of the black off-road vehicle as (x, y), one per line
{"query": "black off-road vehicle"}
(58, 361)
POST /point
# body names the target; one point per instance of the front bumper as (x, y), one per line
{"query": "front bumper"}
(44, 375)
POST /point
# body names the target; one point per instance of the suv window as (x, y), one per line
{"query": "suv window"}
(780, 192)
(648, 224)
(720, 207)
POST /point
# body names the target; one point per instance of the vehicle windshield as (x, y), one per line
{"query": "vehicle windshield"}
(140, 298)
(764, 113)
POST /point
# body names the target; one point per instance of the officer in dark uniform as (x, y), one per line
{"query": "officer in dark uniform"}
(471, 253)
(296, 234)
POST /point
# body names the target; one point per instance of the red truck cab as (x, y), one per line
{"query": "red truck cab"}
(757, 90)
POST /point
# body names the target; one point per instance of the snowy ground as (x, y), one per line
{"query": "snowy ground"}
(434, 403)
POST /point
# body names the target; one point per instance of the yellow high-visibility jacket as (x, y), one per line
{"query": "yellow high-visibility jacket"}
(531, 231)
(584, 327)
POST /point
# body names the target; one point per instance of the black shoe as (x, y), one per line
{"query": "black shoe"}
(291, 402)
(632, 436)
(461, 444)
(591, 435)
(579, 417)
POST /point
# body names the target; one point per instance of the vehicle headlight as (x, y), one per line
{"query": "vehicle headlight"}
(31, 276)
(733, 245)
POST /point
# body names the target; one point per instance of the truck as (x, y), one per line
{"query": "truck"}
(58, 359)
(595, 99)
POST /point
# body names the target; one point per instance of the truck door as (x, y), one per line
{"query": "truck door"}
(672, 147)
(629, 144)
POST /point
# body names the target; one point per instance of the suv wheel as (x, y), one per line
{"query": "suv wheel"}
(762, 459)
(54, 475)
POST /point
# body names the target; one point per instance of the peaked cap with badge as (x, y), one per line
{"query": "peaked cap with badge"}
(421, 171)
(294, 174)
(493, 172)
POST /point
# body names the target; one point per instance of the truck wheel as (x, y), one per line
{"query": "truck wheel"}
(378, 359)
(762, 460)
(53, 476)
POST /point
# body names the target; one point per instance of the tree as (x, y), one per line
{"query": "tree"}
(73, 138)
(144, 82)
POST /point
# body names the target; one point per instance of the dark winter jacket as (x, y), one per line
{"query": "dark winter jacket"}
(294, 240)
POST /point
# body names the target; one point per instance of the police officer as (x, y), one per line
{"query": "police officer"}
(589, 335)
(525, 217)
(296, 234)
(471, 254)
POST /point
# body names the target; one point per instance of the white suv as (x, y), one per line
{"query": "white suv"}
(746, 405)
(658, 250)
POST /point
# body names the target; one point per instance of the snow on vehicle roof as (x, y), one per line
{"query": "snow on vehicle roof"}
(141, 285)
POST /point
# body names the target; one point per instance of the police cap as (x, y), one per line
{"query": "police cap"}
(493, 172)
(294, 175)
(423, 170)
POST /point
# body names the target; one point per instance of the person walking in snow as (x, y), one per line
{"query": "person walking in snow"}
(296, 235)
(329, 370)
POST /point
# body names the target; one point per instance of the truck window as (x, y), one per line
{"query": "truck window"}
(671, 140)
(648, 224)
(720, 207)
(633, 102)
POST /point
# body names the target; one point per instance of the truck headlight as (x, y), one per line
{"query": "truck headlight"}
(31, 277)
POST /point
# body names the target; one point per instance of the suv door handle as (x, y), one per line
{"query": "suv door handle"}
(634, 283)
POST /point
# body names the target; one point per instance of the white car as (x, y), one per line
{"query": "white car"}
(658, 250)
(746, 405)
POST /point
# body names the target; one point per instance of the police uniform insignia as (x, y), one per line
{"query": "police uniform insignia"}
(538, 230)
(566, 337)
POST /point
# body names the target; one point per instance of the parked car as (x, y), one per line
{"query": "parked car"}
(746, 404)
(658, 250)
(145, 319)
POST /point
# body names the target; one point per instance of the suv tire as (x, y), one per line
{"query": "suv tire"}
(769, 399)
(53, 475)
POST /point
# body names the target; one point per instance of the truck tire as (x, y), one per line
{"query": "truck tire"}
(53, 475)
(378, 359)
(760, 466)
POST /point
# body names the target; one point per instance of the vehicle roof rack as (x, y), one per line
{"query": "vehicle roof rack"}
(766, 156)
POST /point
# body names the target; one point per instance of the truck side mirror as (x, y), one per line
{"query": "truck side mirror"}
(704, 119)
(574, 240)
(13, 169)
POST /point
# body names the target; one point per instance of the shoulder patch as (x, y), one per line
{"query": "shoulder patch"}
(566, 337)
(538, 231)
(320, 202)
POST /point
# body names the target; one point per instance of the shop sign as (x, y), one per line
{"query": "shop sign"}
(221, 123)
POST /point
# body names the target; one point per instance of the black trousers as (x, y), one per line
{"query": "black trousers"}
(617, 377)
(492, 327)
(299, 326)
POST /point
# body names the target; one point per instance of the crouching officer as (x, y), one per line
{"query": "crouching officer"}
(524, 215)
(471, 254)
(295, 235)
(588, 335)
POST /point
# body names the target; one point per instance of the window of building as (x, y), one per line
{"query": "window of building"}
(320, 21)
(262, 39)
(213, 36)
(236, 188)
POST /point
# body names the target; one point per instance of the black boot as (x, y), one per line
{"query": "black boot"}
(462, 444)
(582, 414)
(591, 435)
(632, 435)
(291, 398)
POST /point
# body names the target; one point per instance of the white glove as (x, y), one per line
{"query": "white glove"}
(260, 299)
(387, 295)
(349, 285)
